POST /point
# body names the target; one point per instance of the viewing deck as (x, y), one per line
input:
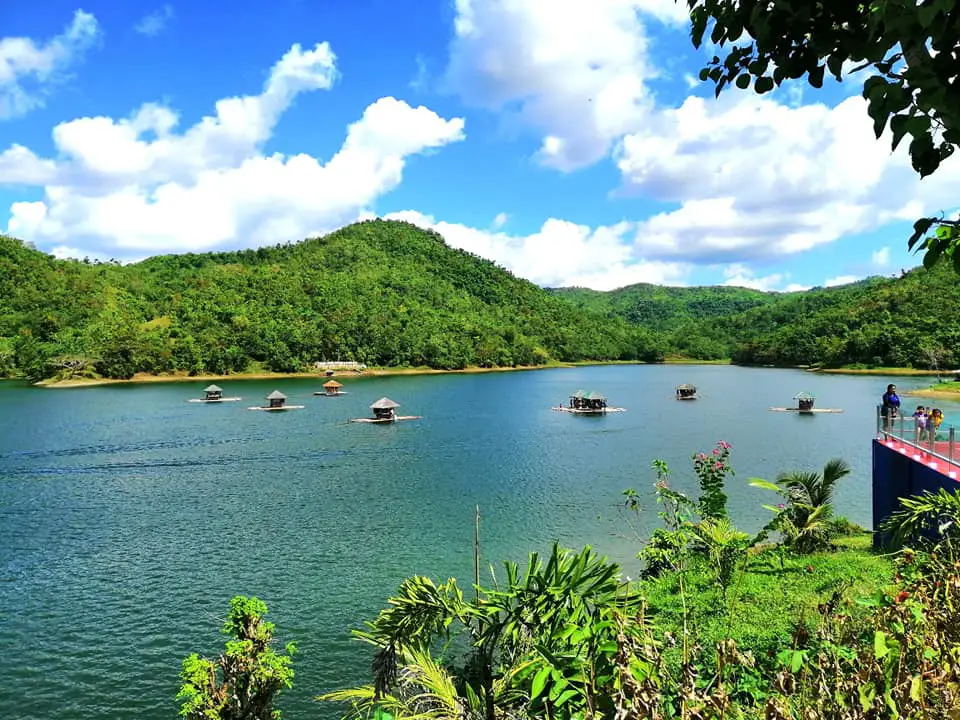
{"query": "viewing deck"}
(938, 452)
(908, 461)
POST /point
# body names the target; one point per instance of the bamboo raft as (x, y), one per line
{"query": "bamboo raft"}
(218, 400)
(278, 402)
(278, 409)
(326, 394)
(807, 412)
(387, 420)
(575, 411)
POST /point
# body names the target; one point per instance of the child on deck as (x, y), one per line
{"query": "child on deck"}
(920, 421)
(933, 423)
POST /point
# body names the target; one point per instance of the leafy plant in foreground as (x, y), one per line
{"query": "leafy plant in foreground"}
(804, 519)
(251, 673)
(927, 515)
(544, 643)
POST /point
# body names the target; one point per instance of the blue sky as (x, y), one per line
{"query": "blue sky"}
(571, 147)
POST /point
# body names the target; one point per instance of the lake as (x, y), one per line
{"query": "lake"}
(129, 517)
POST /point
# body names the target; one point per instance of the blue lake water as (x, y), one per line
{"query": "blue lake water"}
(129, 517)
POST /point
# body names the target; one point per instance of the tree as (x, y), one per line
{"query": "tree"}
(910, 48)
(251, 672)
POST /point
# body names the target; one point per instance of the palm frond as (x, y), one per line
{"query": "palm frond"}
(928, 513)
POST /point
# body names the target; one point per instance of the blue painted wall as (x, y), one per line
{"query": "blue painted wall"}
(896, 475)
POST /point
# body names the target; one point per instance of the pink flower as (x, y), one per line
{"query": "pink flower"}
(701, 456)
(781, 506)
(719, 466)
(724, 444)
(716, 452)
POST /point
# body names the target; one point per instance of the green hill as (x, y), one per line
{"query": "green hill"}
(392, 294)
(382, 293)
(909, 321)
(684, 318)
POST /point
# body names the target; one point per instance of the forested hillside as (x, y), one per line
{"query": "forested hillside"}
(910, 321)
(684, 318)
(392, 294)
(382, 293)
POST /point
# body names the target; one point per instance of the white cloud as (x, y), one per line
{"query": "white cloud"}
(116, 191)
(755, 178)
(881, 258)
(155, 23)
(575, 71)
(840, 280)
(750, 177)
(739, 275)
(500, 220)
(560, 254)
(27, 67)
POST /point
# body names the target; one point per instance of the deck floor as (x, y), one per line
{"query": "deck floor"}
(950, 469)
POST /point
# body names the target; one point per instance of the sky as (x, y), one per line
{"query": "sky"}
(569, 142)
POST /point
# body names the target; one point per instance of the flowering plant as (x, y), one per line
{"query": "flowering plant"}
(712, 471)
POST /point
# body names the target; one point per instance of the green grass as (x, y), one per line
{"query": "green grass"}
(765, 604)
(945, 387)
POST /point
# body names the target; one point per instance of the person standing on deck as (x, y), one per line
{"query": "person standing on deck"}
(933, 423)
(920, 420)
(890, 407)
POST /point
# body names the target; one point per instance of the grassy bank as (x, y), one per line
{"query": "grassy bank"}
(941, 391)
(260, 374)
(766, 604)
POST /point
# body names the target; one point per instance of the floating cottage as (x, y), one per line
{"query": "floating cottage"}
(385, 411)
(331, 388)
(588, 403)
(213, 394)
(804, 406)
(686, 392)
(277, 401)
(804, 402)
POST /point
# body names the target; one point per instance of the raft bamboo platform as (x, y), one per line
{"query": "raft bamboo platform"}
(805, 412)
(326, 394)
(574, 411)
(219, 400)
(278, 409)
(387, 420)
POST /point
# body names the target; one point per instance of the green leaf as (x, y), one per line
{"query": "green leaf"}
(916, 688)
(797, 661)
(815, 76)
(880, 648)
(539, 682)
(763, 85)
(743, 81)
(920, 228)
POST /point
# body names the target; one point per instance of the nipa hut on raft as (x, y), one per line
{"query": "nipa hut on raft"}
(385, 409)
(332, 388)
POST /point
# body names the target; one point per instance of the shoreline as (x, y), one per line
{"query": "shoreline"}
(893, 372)
(934, 394)
(144, 378)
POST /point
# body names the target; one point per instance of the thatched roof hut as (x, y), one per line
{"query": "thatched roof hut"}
(384, 408)
(277, 399)
(212, 392)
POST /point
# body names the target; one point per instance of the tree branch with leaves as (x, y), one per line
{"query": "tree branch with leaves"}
(909, 52)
